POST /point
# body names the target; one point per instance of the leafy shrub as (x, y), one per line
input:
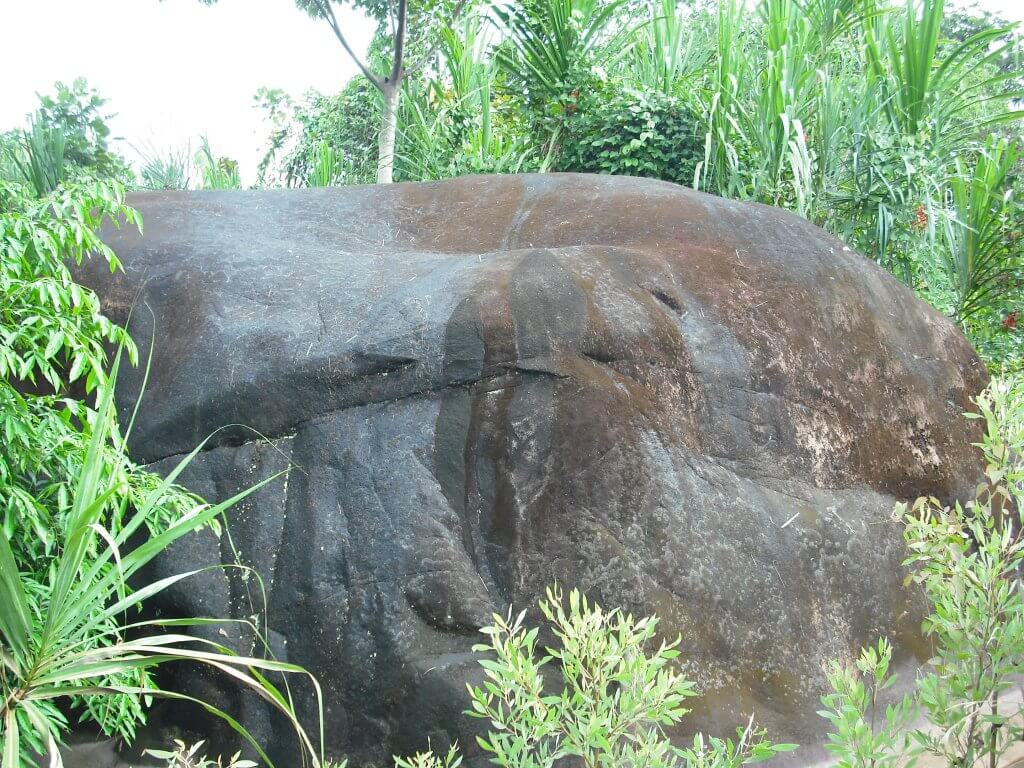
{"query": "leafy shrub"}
(185, 756)
(346, 124)
(216, 172)
(64, 634)
(864, 735)
(428, 759)
(166, 170)
(52, 336)
(72, 500)
(77, 112)
(621, 690)
(52, 343)
(967, 559)
(634, 133)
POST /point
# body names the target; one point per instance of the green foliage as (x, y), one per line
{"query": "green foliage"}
(863, 735)
(964, 21)
(432, 145)
(750, 746)
(216, 172)
(39, 157)
(980, 257)
(633, 133)
(464, 58)
(72, 500)
(51, 329)
(451, 759)
(621, 690)
(346, 124)
(812, 104)
(73, 633)
(967, 559)
(185, 756)
(861, 117)
(77, 112)
(72, 505)
(770, 86)
(428, 137)
(328, 170)
(554, 51)
(725, 146)
(405, 40)
(671, 49)
(453, 123)
(925, 90)
(52, 338)
(167, 170)
(277, 107)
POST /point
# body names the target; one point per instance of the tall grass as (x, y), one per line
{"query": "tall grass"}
(464, 50)
(64, 648)
(853, 113)
(725, 147)
(216, 172)
(165, 170)
(670, 50)
(328, 168)
(856, 114)
(979, 257)
(925, 87)
(38, 156)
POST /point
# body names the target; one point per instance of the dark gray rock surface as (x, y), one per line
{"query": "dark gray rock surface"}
(488, 384)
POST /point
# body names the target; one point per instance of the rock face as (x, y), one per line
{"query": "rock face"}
(681, 404)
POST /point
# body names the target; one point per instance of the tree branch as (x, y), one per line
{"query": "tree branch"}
(328, 13)
(391, 17)
(396, 65)
(459, 8)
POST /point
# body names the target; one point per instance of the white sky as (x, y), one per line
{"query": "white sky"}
(172, 70)
(175, 70)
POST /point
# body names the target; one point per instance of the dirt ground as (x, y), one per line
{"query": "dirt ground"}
(102, 755)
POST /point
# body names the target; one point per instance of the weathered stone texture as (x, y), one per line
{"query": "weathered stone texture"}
(681, 404)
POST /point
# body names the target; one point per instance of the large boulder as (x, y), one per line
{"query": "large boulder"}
(683, 405)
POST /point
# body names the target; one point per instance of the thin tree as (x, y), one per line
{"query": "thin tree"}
(389, 84)
(430, 16)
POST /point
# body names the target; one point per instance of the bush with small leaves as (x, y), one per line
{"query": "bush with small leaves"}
(185, 756)
(79, 113)
(428, 759)
(751, 746)
(968, 560)
(621, 691)
(864, 736)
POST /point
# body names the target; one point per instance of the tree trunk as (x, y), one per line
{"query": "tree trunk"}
(388, 127)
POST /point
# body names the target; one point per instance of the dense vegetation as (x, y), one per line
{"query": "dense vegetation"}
(892, 125)
(72, 500)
